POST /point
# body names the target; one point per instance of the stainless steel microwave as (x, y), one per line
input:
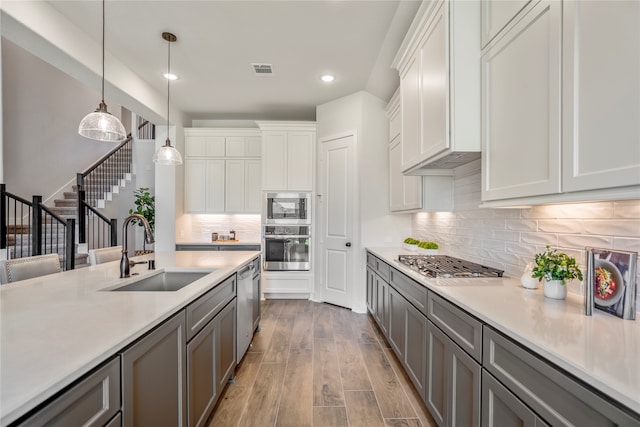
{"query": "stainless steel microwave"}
(287, 208)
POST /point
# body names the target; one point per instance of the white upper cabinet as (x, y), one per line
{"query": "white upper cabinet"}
(243, 146)
(405, 192)
(199, 145)
(222, 170)
(561, 102)
(204, 185)
(496, 15)
(521, 106)
(440, 87)
(288, 154)
(601, 94)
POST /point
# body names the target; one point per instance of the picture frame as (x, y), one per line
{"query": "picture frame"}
(613, 278)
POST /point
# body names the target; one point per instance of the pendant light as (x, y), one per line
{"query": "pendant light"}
(100, 125)
(166, 154)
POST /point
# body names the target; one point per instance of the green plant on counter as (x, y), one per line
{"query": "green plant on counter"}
(554, 265)
(145, 205)
(428, 245)
(411, 241)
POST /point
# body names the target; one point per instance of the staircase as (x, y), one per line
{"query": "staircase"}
(93, 189)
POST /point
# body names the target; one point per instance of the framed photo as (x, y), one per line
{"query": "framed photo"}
(614, 280)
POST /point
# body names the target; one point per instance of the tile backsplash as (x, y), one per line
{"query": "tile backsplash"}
(197, 228)
(509, 238)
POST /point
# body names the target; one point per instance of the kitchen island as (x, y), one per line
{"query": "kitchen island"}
(55, 329)
(542, 350)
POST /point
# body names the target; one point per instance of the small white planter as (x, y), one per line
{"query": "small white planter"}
(409, 247)
(526, 280)
(554, 289)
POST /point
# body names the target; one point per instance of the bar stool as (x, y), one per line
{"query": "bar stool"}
(102, 255)
(13, 270)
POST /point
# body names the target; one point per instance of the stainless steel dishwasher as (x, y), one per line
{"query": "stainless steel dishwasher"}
(244, 310)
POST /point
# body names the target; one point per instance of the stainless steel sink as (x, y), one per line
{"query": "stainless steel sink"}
(163, 282)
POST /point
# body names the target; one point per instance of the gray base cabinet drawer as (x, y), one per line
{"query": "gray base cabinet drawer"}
(414, 292)
(92, 402)
(202, 310)
(500, 408)
(380, 267)
(464, 330)
(555, 397)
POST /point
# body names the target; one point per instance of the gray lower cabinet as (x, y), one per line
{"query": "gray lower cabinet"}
(371, 291)
(500, 408)
(452, 386)
(226, 354)
(154, 377)
(554, 396)
(115, 421)
(415, 354)
(397, 324)
(382, 304)
(93, 401)
(209, 365)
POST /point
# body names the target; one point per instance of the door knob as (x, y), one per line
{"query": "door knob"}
(348, 244)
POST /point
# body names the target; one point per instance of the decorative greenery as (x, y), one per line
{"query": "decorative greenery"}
(428, 245)
(145, 205)
(554, 265)
(411, 241)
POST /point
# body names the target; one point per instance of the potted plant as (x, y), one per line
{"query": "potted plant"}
(554, 268)
(146, 206)
(429, 248)
(410, 244)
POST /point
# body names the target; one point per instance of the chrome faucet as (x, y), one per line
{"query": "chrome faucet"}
(125, 264)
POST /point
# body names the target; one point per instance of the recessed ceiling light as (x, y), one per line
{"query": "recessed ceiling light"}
(327, 78)
(170, 76)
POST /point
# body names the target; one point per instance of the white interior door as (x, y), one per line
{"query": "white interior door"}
(337, 216)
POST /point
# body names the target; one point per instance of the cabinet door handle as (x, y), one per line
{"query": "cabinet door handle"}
(348, 244)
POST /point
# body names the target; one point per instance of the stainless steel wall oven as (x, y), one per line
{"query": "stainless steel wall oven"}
(286, 247)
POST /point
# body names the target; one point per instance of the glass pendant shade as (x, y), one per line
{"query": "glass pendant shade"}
(102, 126)
(167, 155)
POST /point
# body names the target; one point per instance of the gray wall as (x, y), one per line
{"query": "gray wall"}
(42, 107)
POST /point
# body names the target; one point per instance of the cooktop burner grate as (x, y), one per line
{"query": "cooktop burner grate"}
(444, 266)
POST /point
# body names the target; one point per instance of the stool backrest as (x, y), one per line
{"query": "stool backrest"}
(102, 255)
(13, 270)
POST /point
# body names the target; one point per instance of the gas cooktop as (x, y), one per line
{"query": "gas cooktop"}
(444, 266)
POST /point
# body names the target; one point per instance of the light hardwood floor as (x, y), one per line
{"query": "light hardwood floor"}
(319, 365)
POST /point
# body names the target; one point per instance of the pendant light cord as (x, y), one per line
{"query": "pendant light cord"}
(103, 19)
(168, 142)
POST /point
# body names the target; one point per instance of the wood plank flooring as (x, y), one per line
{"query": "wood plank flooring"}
(319, 365)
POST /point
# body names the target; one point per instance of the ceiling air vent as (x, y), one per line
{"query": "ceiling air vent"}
(263, 70)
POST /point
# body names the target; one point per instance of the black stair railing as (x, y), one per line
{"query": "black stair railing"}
(103, 175)
(54, 235)
(15, 223)
(106, 173)
(28, 228)
(95, 229)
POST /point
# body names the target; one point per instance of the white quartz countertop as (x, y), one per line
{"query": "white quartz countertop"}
(219, 242)
(56, 328)
(602, 350)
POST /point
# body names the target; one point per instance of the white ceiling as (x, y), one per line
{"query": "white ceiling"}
(218, 40)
